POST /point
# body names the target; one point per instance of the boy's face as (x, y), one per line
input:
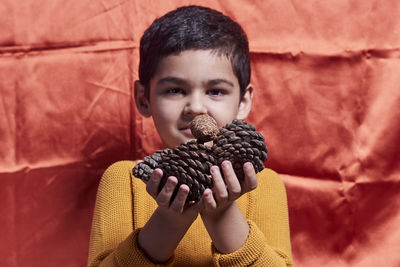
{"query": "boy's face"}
(191, 83)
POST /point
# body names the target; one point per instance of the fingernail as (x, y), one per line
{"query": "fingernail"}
(225, 164)
(247, 166)
(214, 170)
(207, 193)
(156, 176)
(158, 172)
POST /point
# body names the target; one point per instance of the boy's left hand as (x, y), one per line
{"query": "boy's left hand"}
(226, 191)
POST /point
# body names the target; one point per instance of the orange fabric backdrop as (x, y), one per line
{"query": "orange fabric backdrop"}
(327, 100)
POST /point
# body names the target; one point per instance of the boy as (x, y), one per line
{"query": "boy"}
(193, 60)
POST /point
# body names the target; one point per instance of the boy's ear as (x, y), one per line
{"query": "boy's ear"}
(142, 103)
(245, 103)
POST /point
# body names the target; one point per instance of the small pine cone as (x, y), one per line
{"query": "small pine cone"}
(190, 163)
(204, 128)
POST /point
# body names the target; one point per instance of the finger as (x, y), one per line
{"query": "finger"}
(208, 200)
(164, 197)
(250, 177)
(231, 181)
(178, 203)
(219, 187)
(154, 182)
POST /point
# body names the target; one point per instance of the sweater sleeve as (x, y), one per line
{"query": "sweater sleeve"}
(113, 240)
(268, 243)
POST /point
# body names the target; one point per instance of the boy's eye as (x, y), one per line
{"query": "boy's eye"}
(216, 92)
(174, 91)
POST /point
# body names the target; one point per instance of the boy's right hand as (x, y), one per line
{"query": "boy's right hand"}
(163, 197)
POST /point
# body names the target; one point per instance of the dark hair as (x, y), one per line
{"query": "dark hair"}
(194, 27)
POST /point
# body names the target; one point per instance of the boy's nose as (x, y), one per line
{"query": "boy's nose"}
(195, 105)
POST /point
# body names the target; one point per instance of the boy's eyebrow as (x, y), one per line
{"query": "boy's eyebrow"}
(176, 80)
(171, 79)
(218, 81)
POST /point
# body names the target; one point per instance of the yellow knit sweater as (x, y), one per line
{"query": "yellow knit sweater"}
(123, 207)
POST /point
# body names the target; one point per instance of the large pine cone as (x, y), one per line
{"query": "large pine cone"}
(190, 163)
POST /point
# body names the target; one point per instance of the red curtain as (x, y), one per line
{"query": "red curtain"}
(327, 100)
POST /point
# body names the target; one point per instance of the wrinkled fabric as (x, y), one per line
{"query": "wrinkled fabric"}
(327, 97)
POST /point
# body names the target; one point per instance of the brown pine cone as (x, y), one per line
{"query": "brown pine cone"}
(190, 163)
